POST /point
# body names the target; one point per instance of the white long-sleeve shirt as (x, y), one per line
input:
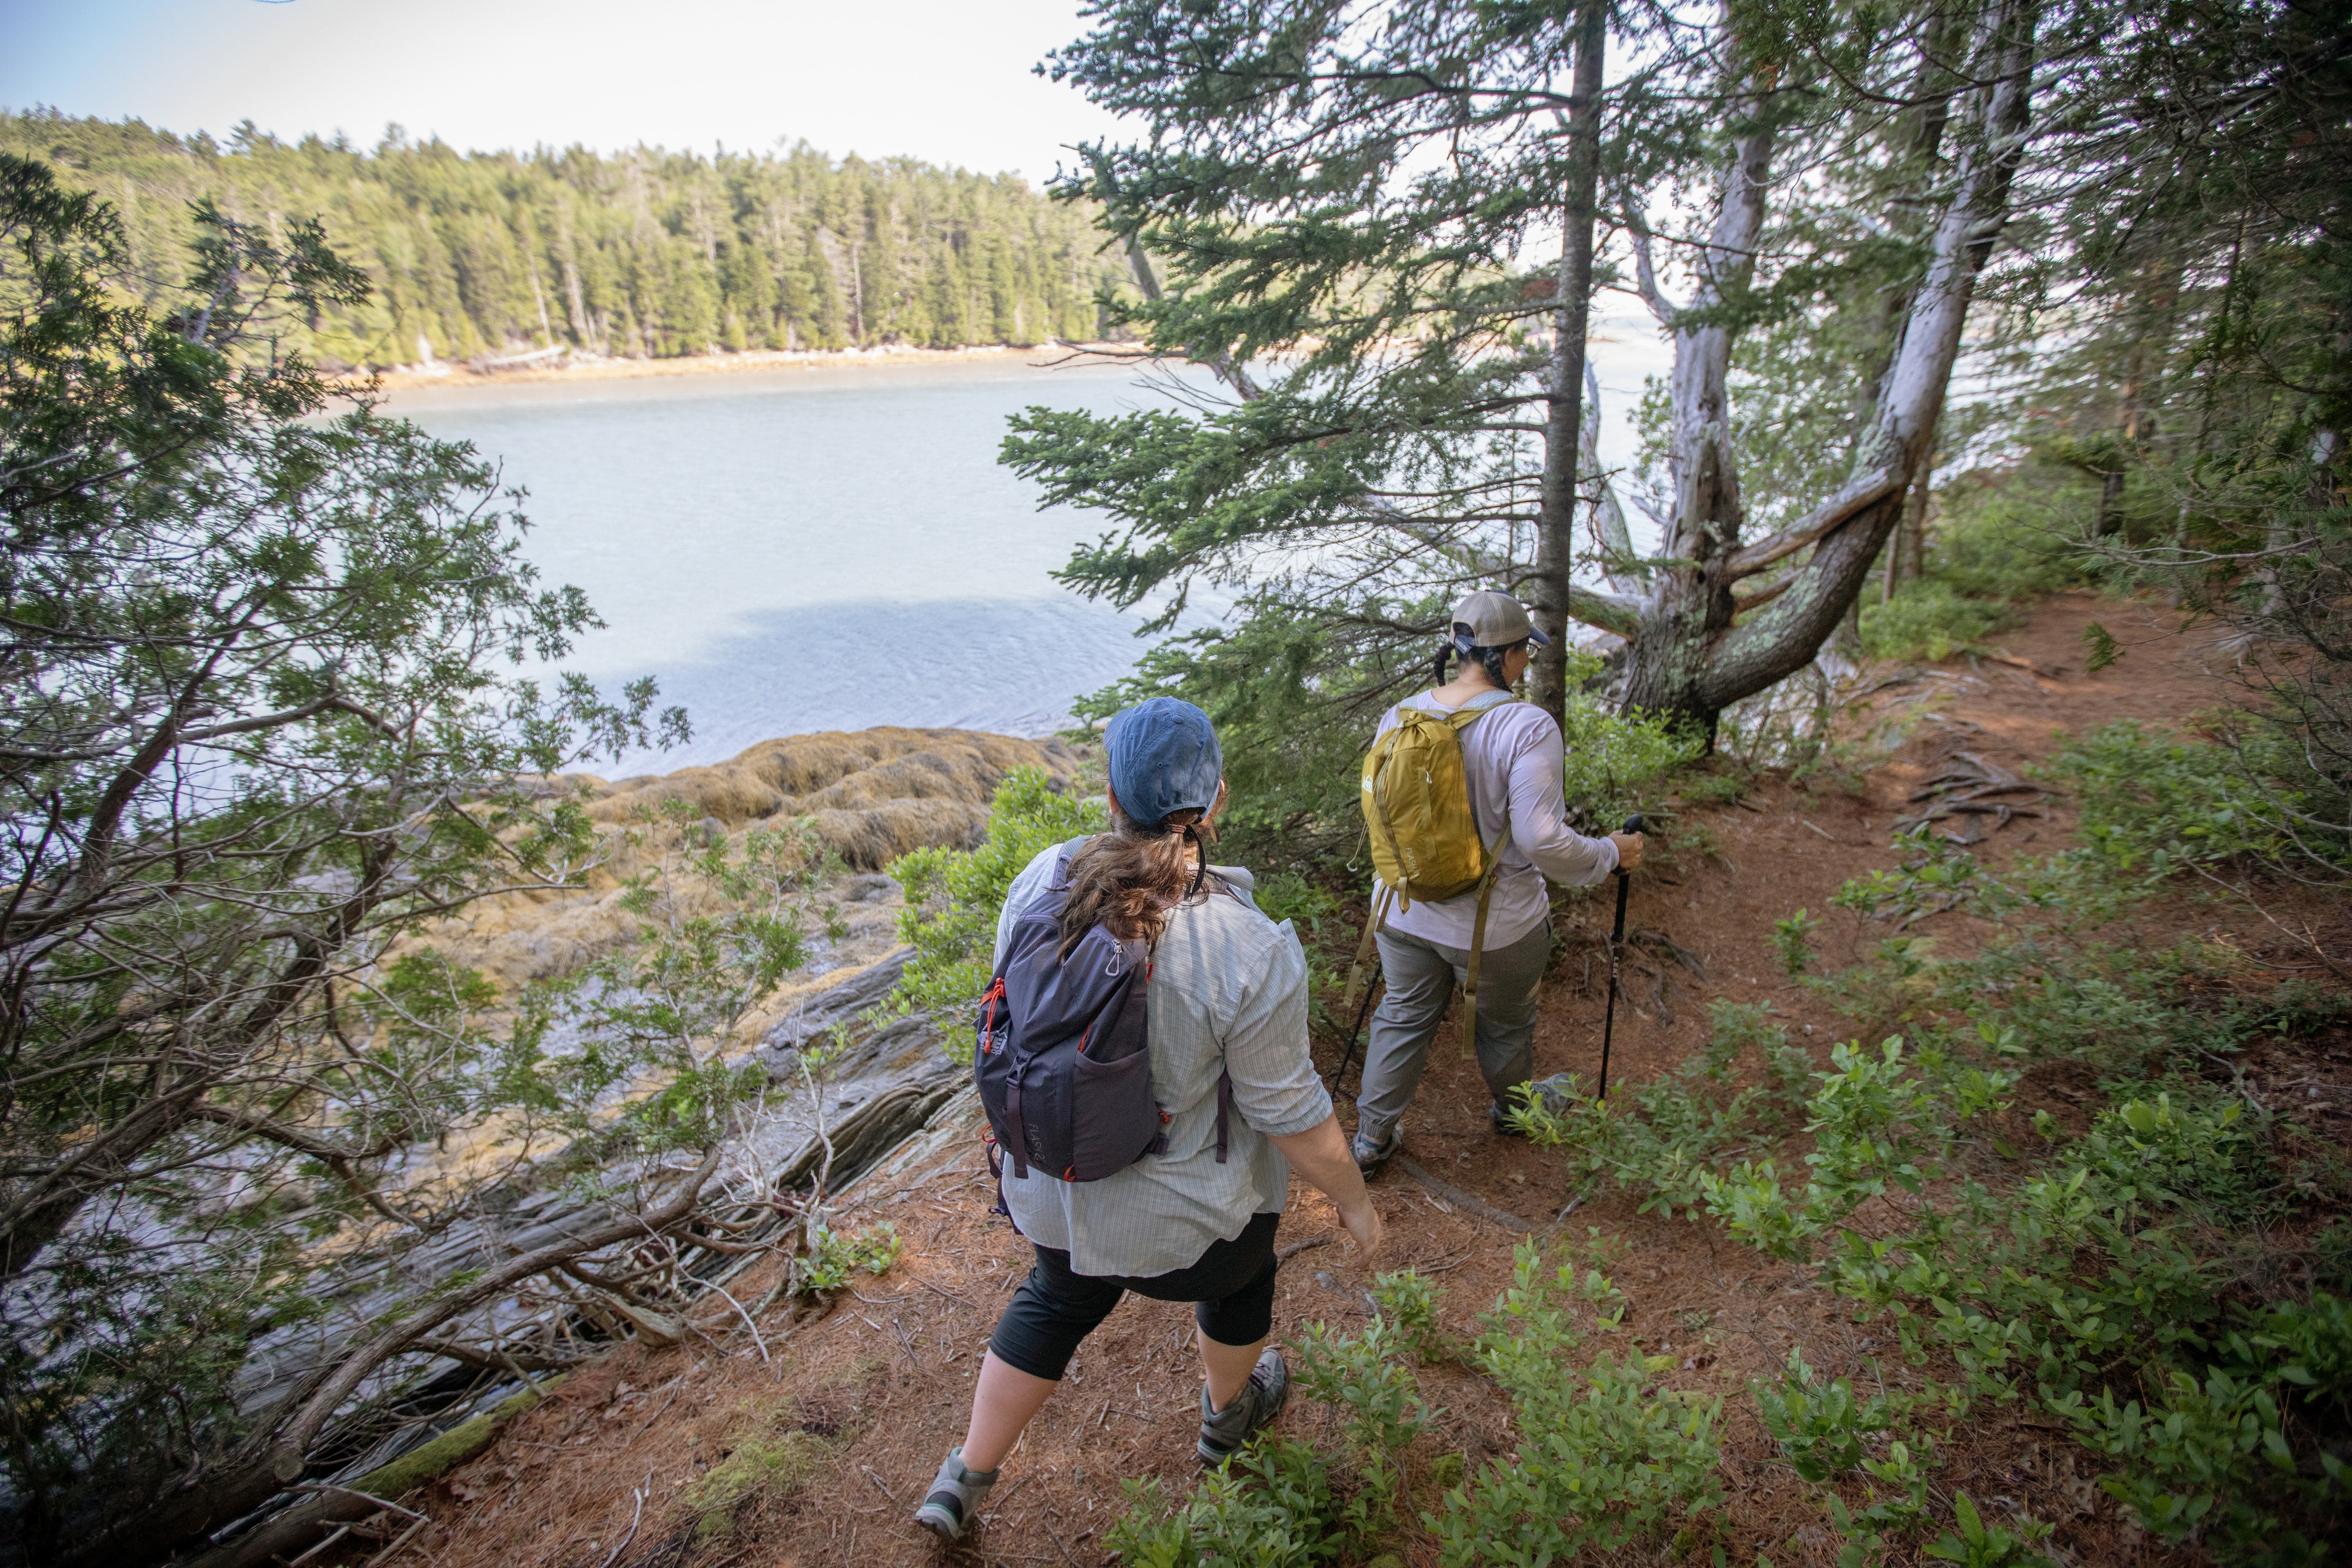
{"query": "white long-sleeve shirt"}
(1514, 759)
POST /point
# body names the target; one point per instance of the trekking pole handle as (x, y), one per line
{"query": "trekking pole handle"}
(1633, 824)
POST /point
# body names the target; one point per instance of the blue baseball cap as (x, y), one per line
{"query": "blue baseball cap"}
(1164, 758)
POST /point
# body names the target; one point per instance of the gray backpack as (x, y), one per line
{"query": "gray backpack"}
(1064, 1055)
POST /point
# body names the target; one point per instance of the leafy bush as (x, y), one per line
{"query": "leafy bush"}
(1927, 619)
(1617, 763)
(1821, 1427)
(2012, 533)
(2155, 801)
(1794, 938)
(1604, 1457)
(954, 896)
(1408, 1301)
(2204, 1157)
(1269, 1506)
(834, 1255)
(1658, 1138)
(1981, 1545)
(1365, 1378)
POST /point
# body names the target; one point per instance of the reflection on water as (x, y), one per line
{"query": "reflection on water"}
(808, 549)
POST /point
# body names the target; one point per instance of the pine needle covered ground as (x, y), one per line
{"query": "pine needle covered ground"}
(812, 1445)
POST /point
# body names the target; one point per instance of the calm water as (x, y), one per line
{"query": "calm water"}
(808, 549)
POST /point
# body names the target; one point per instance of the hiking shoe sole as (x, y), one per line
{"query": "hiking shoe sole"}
(946, 1511)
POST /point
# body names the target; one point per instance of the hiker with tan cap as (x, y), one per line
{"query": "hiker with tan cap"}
(1464, 900)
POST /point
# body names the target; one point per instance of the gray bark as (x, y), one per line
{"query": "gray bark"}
(1688, 658)
(1689, 605)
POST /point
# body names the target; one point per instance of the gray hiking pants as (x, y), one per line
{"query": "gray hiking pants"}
(1420, 978)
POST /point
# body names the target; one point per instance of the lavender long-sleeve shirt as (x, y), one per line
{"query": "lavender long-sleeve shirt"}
(1514, 758)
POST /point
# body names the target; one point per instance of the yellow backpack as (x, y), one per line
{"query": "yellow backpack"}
(1425, 842)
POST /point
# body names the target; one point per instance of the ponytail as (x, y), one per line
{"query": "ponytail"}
(1130, 878)
(1470, 652)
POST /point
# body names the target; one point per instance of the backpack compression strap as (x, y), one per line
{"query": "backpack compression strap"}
(1477, 947)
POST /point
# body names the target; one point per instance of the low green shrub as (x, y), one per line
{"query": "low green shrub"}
(2155, 801)
(1658, 1138)
(1620, 763)
(1980, 1546)
(1821, 1427)
(834, 1255)
(2012, 533)
(1929, 619)
(954, 896)
(1270, 1506)
(1364, 1377)
(1408, 1301)
(1794, 938)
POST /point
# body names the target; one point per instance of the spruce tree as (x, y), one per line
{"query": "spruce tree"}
(1374, 227)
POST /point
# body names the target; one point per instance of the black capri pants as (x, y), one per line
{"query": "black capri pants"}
(1230, 1286)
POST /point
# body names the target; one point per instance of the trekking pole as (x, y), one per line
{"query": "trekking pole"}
(1616, 940)
(1349, 1055)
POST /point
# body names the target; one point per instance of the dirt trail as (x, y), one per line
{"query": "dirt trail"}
(885, 1375)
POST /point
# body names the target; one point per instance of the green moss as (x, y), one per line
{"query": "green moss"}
(451, 1448)
(779, 1466)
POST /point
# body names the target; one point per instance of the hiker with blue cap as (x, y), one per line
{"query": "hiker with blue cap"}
(1142, 1057)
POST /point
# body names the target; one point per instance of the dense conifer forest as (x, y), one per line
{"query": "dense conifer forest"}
(650, 252)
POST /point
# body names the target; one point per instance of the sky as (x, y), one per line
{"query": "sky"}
(948, 81)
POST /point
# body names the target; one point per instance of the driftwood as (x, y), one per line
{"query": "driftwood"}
(885, 1086)
(295, 1529)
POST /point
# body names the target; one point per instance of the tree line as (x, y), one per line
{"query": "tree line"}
(643, 253)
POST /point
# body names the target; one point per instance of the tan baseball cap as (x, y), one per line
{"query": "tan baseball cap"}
(1495, 620)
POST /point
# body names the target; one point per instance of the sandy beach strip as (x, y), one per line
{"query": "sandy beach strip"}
(460, 373)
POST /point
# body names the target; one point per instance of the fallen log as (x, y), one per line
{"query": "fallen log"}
(297, 1527)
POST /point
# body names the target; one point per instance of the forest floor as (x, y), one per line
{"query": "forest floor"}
(604, 1472)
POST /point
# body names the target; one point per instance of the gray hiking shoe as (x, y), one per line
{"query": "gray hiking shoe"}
(1222, 1432)
(955, 1498)
(1557, 1094)
(1371, 1155)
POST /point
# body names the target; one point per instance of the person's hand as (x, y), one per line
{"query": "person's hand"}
(1365, 1231)
(1629, 850)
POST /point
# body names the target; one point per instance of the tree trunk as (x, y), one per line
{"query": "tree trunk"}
(1690, 604)
(1681, 662)
(1564, 419)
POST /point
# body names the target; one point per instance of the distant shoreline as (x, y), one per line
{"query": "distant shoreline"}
(458, 374)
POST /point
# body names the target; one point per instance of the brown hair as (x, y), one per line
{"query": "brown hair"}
(1130, 878)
